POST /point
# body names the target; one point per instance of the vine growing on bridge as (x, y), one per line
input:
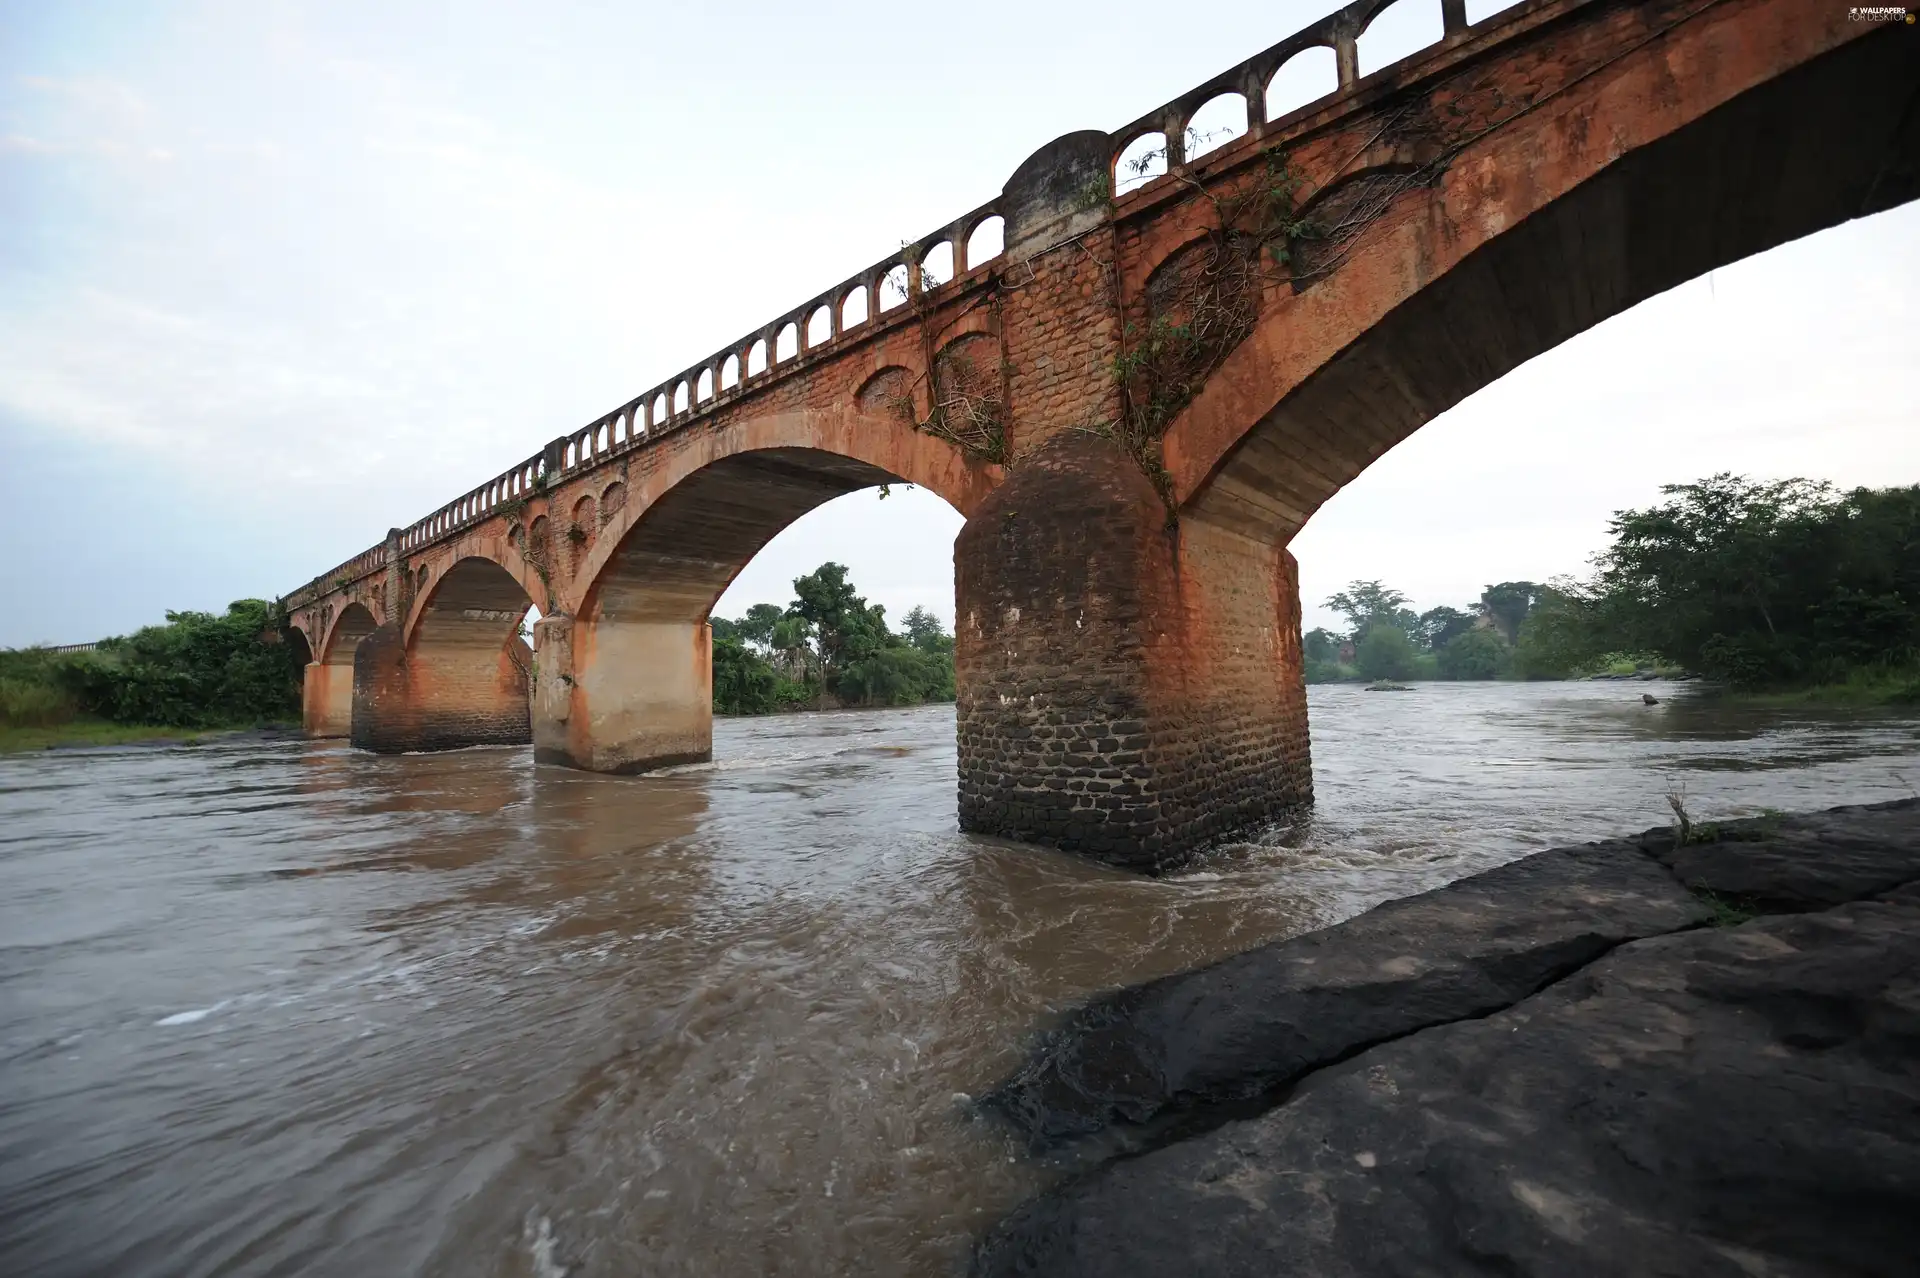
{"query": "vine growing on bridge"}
(966, 408)
(1200, 304)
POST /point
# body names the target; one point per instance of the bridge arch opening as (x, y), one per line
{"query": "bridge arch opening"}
(326, 699)
(1217, 122)
(1399, 31)
(853, 307)
(787, 344)
(893, 287)
(1140, 161)
(1308, 76)
(637, 646)
(986, 241)
(936, 268)
(757, 358)
(820, 326)
(458, 674)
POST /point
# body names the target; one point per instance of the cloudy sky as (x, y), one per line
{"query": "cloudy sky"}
(275, 276)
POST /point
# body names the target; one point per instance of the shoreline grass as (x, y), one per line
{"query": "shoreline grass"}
(1866, 687)
(84, 733)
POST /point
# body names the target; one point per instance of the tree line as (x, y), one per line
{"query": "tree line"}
(1756, 585)
(829, 647)
(199, 670)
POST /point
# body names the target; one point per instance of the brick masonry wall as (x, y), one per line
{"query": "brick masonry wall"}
(1129, 689)
(440, 698)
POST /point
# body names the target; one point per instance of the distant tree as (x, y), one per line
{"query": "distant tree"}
(1508, 604)
(743, 682)
(925, 632)
(1474, 654)
(756, 627)
(1563, 633)
(1438, 626)
(1765, 583)
(792, 646)
(1366, 604)
(1321, 644)
(846, 627)
(1386, 653)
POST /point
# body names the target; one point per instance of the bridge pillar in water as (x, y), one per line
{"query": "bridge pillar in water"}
(326, 699)
(618, 694)
(1130, 683)
(437, 699)
(460, 677)
(1129, 688)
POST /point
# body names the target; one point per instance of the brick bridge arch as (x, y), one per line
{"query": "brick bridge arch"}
(650, 577)
(1128, 629)
(1685, 149)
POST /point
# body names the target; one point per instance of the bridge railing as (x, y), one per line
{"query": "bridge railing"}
(863, 303)
(361, 565)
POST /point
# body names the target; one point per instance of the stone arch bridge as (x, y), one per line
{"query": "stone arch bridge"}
(1181, 345)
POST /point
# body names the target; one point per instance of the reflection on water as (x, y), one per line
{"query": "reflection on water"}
(270, 1009)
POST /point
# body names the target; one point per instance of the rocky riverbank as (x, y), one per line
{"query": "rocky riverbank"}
(1645, 1056)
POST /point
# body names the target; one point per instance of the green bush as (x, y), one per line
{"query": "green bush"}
(196, 671)
(31, 703)
(1474, 654)
(1386, 653)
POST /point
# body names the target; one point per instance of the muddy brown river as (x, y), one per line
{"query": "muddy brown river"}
(287, 1009)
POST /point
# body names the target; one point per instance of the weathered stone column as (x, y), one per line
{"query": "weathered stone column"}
(1129, 688)
(623, 695)
(326, 700)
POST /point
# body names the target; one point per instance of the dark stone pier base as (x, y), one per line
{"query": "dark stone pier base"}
(1130, 687)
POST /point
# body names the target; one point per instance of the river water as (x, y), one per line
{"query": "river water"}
(285, 1008)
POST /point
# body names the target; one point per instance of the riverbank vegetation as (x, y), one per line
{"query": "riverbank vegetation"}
(195, 673)
(1785, 591)
(828, 648)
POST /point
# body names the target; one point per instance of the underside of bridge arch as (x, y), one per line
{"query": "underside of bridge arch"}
(326, 698)
(1130, 675)
(1410, 325)
(626, 684)
(457, 675)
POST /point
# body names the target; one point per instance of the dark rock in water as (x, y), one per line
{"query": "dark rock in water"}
(1648, 699)
(1259, 1020)
(1498, 1078)
(1806, 862)
(1739, 1101)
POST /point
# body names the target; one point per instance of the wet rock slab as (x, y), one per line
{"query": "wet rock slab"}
(1806, 862)
(1740, 1100)
(1257, 1021)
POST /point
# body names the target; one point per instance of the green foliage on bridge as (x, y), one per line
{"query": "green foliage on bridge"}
(829, 646)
